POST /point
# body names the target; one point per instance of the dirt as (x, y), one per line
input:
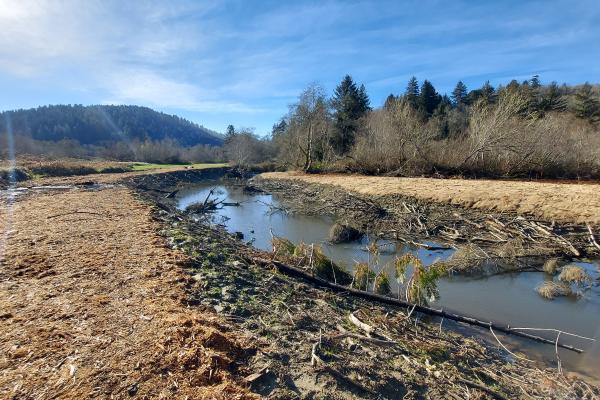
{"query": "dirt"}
(566, 202)
(110, 292)
(94, 305)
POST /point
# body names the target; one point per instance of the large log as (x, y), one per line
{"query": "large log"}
(297, 272)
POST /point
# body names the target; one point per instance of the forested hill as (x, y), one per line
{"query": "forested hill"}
(101, 124)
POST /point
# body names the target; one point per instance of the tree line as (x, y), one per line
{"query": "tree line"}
(518, 129)
(124, 133)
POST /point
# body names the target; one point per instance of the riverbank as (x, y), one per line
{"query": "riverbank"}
(568, 202)
(424, 357)
(94, 261)
(478, 233)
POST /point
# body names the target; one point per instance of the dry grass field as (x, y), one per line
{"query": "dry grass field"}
(566, 202)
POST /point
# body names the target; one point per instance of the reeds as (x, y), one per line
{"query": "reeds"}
(382, 284)
(422, 286)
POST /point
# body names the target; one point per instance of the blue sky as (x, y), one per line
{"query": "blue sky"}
(244, 62)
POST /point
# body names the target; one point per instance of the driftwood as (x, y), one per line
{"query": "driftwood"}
(293, 271)
(592, 240)
(172, 194)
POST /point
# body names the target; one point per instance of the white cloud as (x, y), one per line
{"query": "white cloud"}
(130, 52)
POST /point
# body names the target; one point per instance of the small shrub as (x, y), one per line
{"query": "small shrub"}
(321, 265)
(282, 247)
(422, 285)
(362, 275)
(18, 174)
(382, 284)
(115, 170)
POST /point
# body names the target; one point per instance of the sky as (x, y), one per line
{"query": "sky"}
(244, 62)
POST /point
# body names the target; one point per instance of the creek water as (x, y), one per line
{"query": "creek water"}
(505, 299)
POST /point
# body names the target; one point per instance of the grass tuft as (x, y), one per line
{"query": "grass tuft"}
(574, 274)
(551, 266)
(550, 290)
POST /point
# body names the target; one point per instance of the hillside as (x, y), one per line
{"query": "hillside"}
(101, 124)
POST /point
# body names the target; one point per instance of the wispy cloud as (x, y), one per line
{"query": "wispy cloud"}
(241, 62)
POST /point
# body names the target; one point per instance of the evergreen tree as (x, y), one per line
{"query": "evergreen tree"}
(412, 92)
(279, 128)
(428, 98)
(459, 94)
(349, 104)
(389, 101)
(535, 81)
(587, 105)
(552, 100)
(363, 100)
(486, 93)
(513, 85)
(229, 133)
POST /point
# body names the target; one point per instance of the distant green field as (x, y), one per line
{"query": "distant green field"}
(145, 166)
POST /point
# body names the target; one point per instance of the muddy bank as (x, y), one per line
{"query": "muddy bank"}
(478, 236)
(315, 343)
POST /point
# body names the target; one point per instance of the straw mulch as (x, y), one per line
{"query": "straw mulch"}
(92, 304)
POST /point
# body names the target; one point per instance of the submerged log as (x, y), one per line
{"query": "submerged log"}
(293, 271)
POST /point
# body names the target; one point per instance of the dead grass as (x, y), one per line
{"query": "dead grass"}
(94, 305)
(551, 266)
(574, 274)
(568, 202)
(550, 290)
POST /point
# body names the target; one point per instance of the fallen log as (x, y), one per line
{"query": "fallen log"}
(297, 272)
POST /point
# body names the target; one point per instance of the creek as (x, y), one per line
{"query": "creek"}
(508, 298)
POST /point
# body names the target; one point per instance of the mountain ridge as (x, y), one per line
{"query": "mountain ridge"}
(101, 124)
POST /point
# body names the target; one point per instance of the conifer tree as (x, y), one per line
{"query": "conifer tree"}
(587, 105)
(279, 128)
(412, 92)
(552, 99)
(488, 93)
(349, 104)
(229, 133)
(459, 94)
(389, 101)
(428, 98)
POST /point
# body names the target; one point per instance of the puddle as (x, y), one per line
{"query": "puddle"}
(504, 299)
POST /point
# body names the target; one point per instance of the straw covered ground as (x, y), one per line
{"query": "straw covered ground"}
(93, 305)
(566, 202)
